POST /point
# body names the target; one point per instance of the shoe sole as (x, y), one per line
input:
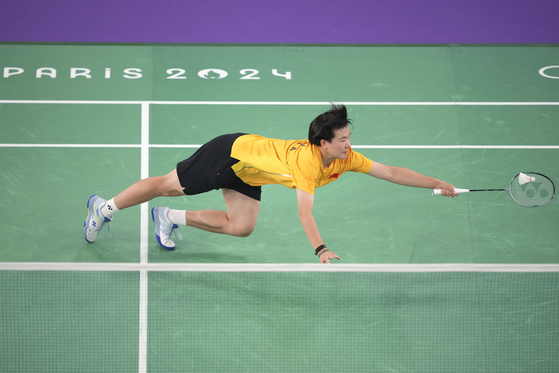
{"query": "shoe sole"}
(156, 236)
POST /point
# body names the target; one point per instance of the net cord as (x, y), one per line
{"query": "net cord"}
(278, 267)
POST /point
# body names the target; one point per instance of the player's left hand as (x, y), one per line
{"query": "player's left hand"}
(326, 256)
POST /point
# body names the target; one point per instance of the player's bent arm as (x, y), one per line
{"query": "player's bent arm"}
(407, 177)
(305, 202)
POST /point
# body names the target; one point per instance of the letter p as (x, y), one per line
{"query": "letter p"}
(9, 71)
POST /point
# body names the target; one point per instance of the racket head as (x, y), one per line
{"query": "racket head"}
(534, 193)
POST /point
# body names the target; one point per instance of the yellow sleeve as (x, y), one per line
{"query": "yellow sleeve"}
(359, 163)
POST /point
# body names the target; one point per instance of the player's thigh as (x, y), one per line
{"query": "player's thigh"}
(171, 185)
(241, 209)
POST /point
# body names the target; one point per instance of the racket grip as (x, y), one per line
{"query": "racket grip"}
(438, 191)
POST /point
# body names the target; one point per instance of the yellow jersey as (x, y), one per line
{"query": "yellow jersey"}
(293, 163)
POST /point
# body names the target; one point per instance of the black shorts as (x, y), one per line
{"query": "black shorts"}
(210, 168)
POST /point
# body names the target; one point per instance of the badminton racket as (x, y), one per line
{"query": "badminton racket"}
(528, 189)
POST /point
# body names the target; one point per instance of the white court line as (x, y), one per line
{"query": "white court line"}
(194, 146)
(144, 225)
(277, 267)
(144, 173)
(144, 146)
(177, 146)
(372, 103)
(288, 103)
(72, 102)
(70, 145)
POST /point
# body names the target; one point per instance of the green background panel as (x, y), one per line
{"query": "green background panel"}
(358, 322)
(70, 124)
(44, 194)
(53, 322)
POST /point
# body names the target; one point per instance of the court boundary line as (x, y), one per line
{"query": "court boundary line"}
(276, 267)
(288, 103)
(196, 146)
(144, 226)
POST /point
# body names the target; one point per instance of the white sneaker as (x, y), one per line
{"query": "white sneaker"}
(95, 219)
(164, 227)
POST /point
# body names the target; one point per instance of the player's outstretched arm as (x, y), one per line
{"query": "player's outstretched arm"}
(305, 202)
(407, 177)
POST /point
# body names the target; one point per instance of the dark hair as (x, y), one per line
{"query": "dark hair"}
(323, 126)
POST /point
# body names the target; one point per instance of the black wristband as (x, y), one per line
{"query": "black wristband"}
(317, 250)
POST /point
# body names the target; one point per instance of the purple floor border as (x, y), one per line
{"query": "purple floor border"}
(287, 21)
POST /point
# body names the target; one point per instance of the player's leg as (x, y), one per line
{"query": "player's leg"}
(239, 219)
(148, 189)
(100, 211)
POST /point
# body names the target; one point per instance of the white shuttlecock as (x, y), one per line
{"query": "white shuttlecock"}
(523, 178)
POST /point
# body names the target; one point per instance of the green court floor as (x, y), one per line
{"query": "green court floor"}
(78, 120)
(382, 223)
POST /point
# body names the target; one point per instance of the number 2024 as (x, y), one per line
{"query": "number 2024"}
(246, 74)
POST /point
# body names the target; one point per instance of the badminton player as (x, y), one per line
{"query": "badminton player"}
(239, 164)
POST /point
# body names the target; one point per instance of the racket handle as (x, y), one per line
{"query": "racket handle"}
(438, 191)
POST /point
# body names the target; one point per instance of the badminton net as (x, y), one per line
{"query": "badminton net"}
(71, 317)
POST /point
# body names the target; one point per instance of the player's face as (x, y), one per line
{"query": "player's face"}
(340, 144)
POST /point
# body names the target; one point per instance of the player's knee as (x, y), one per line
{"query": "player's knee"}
(244, 230)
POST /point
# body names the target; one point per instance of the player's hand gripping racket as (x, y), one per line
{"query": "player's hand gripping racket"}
(528, 189)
